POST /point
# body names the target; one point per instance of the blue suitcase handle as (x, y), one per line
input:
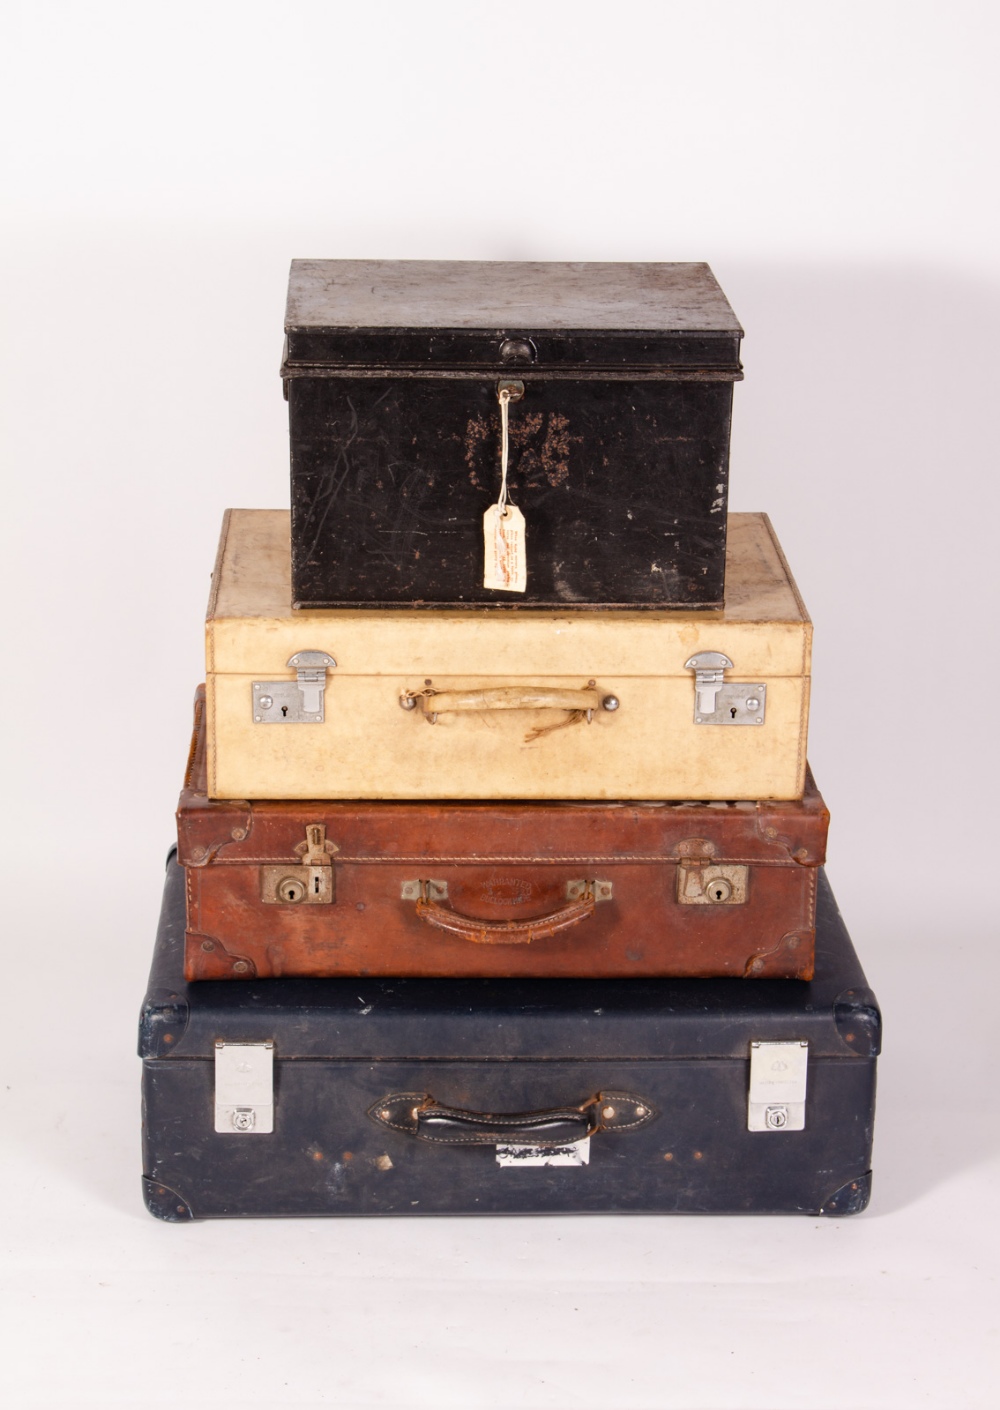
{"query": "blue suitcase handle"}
(418, 1114)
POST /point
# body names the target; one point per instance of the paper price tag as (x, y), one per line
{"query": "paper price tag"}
(503, 542)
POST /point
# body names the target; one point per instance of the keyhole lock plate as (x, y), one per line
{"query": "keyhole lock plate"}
(722, 884)
(312, 883)
(244, 1088)
(721, 702)
(297, 702)
(779, 1073)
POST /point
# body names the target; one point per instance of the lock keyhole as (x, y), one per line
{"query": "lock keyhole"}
(732, 712)
(719, 890)
(284, 710)
(291, 889)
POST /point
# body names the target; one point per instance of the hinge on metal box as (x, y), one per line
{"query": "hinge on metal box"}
(312, 882)
(297, 702)
(721, 702)
(777, 1098)
(244, 1088)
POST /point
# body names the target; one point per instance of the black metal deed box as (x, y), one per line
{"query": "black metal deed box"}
(619, 379)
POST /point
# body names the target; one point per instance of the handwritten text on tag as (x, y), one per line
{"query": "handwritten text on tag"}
(503, 542)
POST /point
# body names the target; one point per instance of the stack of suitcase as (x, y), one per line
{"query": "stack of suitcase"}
(499, 879)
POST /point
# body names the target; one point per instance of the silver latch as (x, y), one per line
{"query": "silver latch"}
(311, 882)
(297, 702)
(244, 1088)
(712, 883)
(777, 1100)
(721, 702)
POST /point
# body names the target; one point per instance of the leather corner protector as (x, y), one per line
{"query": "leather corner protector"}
(859, 1022)
(757, 964)
(165, 1203)
(205, 957)
(200, 854)
(774, 837)
(851, 1198)
(162, 1023)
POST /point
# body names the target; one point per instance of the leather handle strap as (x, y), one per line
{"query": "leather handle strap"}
(505, 932)
(510, 697)
(418, 1114)
(503, 697)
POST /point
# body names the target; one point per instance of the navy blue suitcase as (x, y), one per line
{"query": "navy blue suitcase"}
(512, 1096)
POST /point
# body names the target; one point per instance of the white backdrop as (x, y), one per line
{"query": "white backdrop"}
(836, 164)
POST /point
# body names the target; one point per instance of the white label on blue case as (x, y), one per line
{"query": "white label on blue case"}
(576, 1154)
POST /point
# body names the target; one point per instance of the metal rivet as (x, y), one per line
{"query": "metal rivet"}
(385, 1113)
(607, 1112)
(207, 945)
(640, 1111)
(516, 350)
(238, 834)
(244, 1120)
(753, 703)
(240, 966)
(199, 852)
(407, 702)
(265, 702)
(610, 702)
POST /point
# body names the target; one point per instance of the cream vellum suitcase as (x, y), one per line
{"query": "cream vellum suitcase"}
(366, 703)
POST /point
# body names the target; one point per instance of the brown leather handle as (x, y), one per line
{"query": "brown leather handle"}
(506, 932)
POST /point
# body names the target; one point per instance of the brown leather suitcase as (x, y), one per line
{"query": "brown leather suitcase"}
(319, 889)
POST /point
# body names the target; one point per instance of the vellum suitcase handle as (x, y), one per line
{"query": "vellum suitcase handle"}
(505, 932)
(579, 704)
(418, 1114)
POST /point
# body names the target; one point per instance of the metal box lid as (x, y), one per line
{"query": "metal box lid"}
(541, 318)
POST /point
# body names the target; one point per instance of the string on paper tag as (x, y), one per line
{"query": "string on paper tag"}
(503, 524)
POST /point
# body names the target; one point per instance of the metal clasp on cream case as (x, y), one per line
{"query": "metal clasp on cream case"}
(721, 702)
(297, 702)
